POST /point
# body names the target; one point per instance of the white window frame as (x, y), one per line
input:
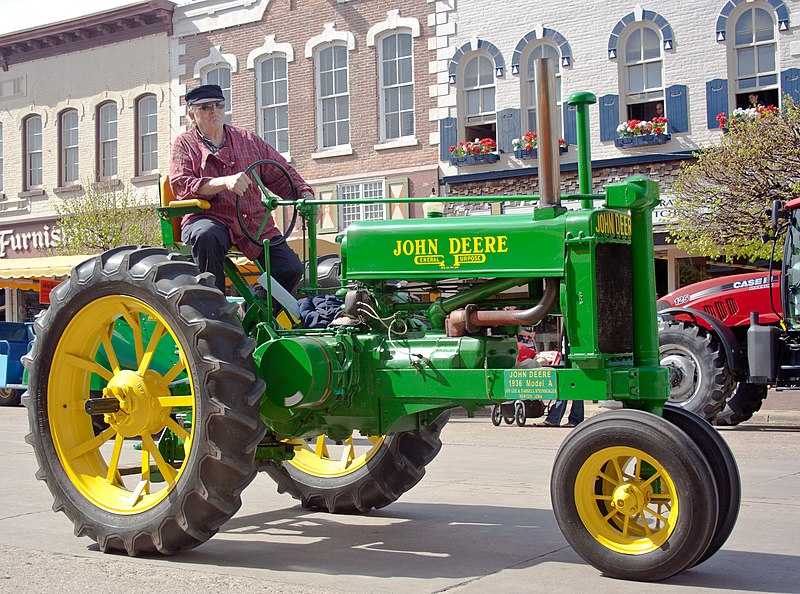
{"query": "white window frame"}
(483, 117)
(648, 94)
(33, 153)
(735, 48)
(321, 122)
(212, 76)
(147, 128)
(69, 157)
(399, 86)
(276, 107)
(368, 188)
(107, 141)
(528, 87)
(1, 158)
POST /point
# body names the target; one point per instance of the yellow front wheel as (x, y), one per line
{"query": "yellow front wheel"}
(361, 473)
(147, 344)
(634, 495)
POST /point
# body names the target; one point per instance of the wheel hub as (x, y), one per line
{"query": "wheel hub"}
(681, 376)
(140, 411)
(630, 499)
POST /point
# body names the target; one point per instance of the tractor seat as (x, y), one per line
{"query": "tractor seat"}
(172, 210)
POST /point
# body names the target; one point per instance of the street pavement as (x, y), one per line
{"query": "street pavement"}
(479, 522)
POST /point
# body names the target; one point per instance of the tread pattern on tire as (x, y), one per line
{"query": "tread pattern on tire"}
(710, 351)
(745, 401)
(395, 468)
(228, 425)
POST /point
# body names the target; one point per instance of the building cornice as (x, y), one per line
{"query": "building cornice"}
(87, 32)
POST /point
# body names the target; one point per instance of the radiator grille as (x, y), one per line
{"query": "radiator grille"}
(614, 297)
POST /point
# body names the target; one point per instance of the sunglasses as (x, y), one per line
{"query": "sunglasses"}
(210, 106)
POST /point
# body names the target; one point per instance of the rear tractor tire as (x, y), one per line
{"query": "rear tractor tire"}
(698, 374)
(154, 344)
(358, 482)
(634, 495)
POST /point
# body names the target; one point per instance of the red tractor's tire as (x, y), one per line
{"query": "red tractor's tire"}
(745, 401)
(9, 397)
(166, 299)
(396, 465)
(699, 377)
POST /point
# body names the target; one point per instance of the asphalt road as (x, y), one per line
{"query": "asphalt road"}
(479, 522)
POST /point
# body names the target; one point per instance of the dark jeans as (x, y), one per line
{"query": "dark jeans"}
(558, 409)
(210, 242)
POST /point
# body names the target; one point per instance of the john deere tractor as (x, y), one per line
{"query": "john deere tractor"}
(190, 397)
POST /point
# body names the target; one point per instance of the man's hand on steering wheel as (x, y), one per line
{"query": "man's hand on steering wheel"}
(238, 183)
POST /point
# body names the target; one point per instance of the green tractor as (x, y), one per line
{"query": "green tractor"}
(190, 397)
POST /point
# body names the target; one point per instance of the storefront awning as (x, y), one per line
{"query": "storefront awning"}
(23, 273)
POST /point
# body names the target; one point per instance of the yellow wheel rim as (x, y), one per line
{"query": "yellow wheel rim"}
(106, 468)
(322, 457)
(626, 500)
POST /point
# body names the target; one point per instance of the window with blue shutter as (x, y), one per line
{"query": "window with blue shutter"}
(448, 135)
(790, 83)
(609, 116)
(508, 126)
(570, 124)
(677, 108)
(716, 101)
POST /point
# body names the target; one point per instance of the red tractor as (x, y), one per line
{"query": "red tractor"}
(726, 340)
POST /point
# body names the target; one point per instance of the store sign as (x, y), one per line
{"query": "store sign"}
(28, 241)
(45, 286)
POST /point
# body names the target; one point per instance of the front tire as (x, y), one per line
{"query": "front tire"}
(497, 416)
(150, 335)
(519, 413)
(634, 495)
(745, 401)
(699, 378)
(392, 466)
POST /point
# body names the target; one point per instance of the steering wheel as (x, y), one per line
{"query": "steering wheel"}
(275, 240)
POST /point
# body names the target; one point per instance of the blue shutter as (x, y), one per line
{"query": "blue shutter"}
(609, 116)
(790, 83)
(507, 129)
(716, 101)
(448, 135)
(570, 124)
(677, 109)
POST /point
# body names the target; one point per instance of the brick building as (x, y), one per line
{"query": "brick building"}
(692, 60)
(83, 101)
(340, 88)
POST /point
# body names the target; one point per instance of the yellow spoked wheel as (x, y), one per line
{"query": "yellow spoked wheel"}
(362, 473)
(626, 500)
(133, 384)
(137, 338)
(634, 495)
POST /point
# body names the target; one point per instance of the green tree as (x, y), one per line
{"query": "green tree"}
(102, 217)
(722, 197)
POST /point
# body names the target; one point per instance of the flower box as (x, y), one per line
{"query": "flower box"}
(534, 154)
(642, 140)
(465, 160)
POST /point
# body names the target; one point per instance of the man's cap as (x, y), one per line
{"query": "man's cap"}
(204, 94)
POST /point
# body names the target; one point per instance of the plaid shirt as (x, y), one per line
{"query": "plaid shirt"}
(193, 165)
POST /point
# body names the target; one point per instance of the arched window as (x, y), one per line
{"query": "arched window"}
(273, 101)
(542, 50)
(33, 152)
(221, 75)
(479, 98)
(643, 75)
(68, 153)
(107, 140)
(146, 134)
(755, 71)
(333, 96)
(396, 76)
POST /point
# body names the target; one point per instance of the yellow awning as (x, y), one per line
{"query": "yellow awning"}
(25, 272)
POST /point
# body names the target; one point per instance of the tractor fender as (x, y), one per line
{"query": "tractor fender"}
(737, 359)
